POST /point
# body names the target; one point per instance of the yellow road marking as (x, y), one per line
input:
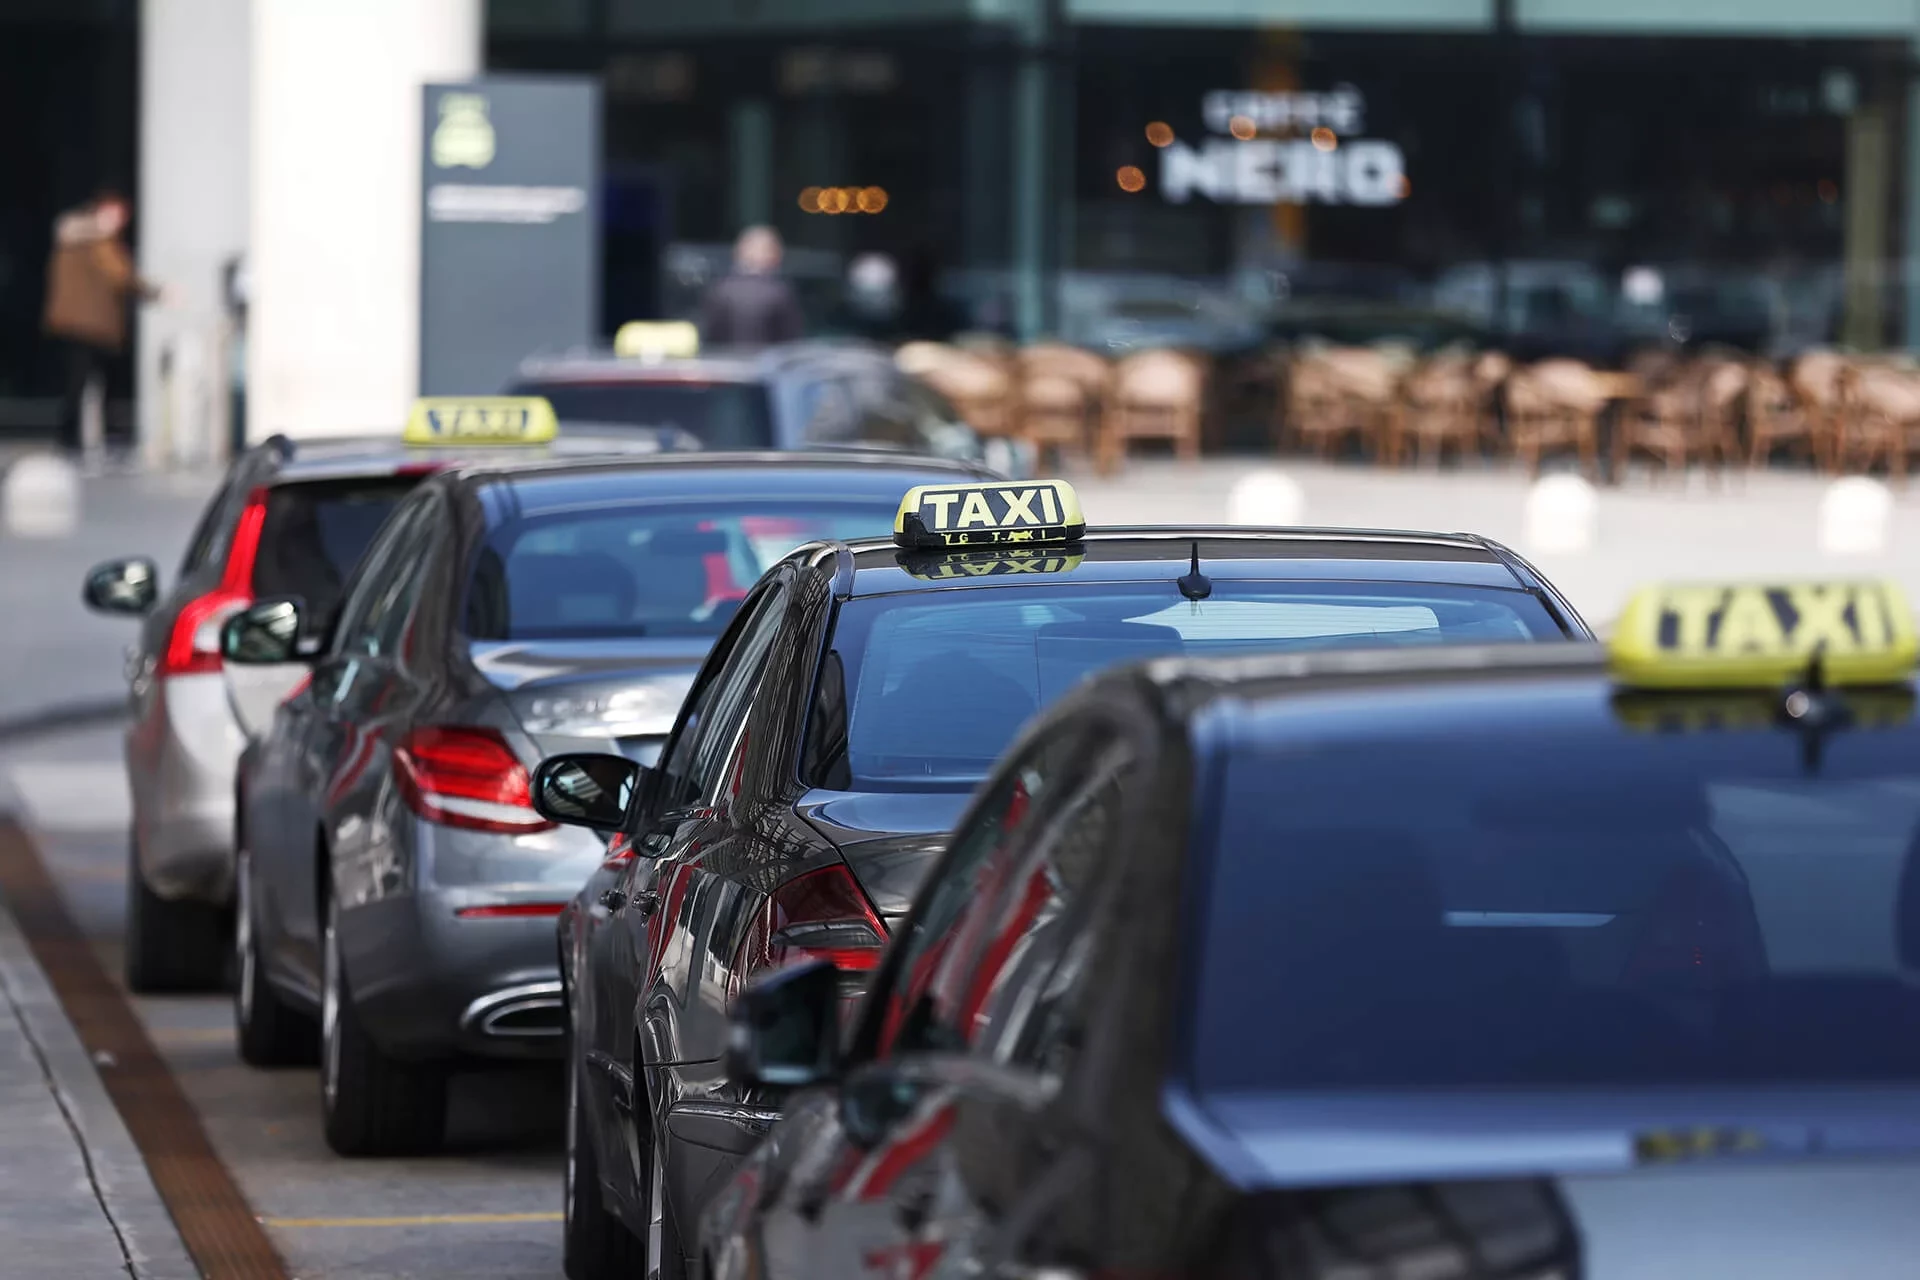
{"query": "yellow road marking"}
(423, 1220)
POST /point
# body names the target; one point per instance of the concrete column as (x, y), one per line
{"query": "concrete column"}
(192, 205)
(752, 144)
(333, 330)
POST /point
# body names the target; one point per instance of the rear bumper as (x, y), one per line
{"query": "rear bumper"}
(429, 984)
(181, 756)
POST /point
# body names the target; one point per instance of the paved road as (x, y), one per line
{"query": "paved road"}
(486, 1210)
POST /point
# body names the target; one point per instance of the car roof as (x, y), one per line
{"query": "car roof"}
(1145, 553)
(364, 456)
(717, 364)
(880, 476)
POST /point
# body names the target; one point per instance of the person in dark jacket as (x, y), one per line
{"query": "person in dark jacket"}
(754, 306)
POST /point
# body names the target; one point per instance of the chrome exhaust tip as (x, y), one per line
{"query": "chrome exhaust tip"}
(535, 1011)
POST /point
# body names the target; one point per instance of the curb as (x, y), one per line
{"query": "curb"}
(131, 1205)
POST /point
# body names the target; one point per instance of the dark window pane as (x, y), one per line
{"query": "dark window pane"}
(721, 415)
(315, 533)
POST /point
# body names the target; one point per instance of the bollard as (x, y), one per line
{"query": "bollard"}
(40, 497)
(1266, 498)
(1562, 515)
(1856, 516)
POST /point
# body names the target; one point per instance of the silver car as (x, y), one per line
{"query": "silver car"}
(396, 886)
(288, 519)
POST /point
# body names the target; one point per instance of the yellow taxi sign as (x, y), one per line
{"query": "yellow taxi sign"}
(949, 566)
(977, 515)
(481, 420)
(1754, 635)
(657, 339)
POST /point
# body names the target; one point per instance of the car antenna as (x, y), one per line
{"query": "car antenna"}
(1810, 706)
(1196, 586)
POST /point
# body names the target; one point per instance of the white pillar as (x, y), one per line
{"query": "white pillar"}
(334, 322)
(192, 209)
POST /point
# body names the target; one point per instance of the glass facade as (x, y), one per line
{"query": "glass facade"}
(1552, 176)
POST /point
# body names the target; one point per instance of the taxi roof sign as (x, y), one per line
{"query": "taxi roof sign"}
(657, 340)
(481, 420)
(1763, 634)
(1026, 512)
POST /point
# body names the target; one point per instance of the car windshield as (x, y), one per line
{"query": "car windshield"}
(1520, 904)
(315, 533)
(923, 690)
(673, 569)
(721, 415)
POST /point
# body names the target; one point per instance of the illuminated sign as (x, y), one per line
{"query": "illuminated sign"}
(1314, 160)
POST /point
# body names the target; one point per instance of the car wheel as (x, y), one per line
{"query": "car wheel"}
(270, 1032)
(370, 1104)
(597, 1245)
(172, 946)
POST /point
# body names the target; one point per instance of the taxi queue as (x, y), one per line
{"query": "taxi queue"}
(837, 988)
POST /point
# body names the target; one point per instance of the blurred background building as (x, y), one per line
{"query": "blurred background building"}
(1554, 177)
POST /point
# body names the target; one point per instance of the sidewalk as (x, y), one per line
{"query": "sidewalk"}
(75, 1198)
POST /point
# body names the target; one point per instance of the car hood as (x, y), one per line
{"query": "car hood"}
(1772, 1188)
(593, 695)
(890, 839)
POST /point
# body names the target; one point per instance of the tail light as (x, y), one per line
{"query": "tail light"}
(193, 647)
(822, 915)
(511, 910)
(461, 777)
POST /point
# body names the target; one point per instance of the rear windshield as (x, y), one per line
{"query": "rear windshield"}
(658, 570)
(316, 532)
(1561, 905)
(721, 415)
(924, 690)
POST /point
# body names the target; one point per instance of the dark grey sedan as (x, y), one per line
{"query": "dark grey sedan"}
(394, 884)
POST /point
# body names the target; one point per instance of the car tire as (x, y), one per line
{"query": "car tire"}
(371, 1104)
(596, 1244)
(269, 1031)
(172, 946)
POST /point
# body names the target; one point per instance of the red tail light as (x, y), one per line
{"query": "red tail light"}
(193, 647)
(468, 778)
(619, 850)
(511, 910)
(822, 915)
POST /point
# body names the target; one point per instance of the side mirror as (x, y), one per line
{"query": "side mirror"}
(266, 632)
(785, 1029)
(122, 586)
(586, 790)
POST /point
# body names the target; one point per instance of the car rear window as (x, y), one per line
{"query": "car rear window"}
(662, 569)
(315, 533)
(925, 689)
(1523, 898)
(721, 415)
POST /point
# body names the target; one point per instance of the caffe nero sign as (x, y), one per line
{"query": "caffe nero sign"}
(1285, 148)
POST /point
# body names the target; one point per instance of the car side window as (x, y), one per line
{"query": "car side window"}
(375, 581)
(980, 860)
(686, 765)
(392, 610)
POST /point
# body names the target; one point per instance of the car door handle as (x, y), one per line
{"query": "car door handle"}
(613, 899)
(645, 903)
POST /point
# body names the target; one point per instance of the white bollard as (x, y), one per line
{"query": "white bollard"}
(40, 497)
(1856, 516)
(1266, 498)
(1562, 515)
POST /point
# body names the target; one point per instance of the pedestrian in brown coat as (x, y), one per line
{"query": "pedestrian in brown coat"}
(90, 282)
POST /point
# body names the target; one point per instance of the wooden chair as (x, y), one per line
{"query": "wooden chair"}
(1693, 416)
(980, 389)
(1556, 404)
(1881, 417)
(1155, 395)
(1439, 408)
(1340, 393)
(1491, 369)
(1061, 391)
(1776, 416)
(1818, 381)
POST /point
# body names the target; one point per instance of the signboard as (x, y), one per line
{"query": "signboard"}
(1285, 148)
(509, 234)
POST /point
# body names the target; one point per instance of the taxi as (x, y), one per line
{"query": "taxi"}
(836, 732)
(1496, 961)
(289, 518)
(394, 891)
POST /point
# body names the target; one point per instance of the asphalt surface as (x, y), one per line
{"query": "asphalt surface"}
(487, 1208)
